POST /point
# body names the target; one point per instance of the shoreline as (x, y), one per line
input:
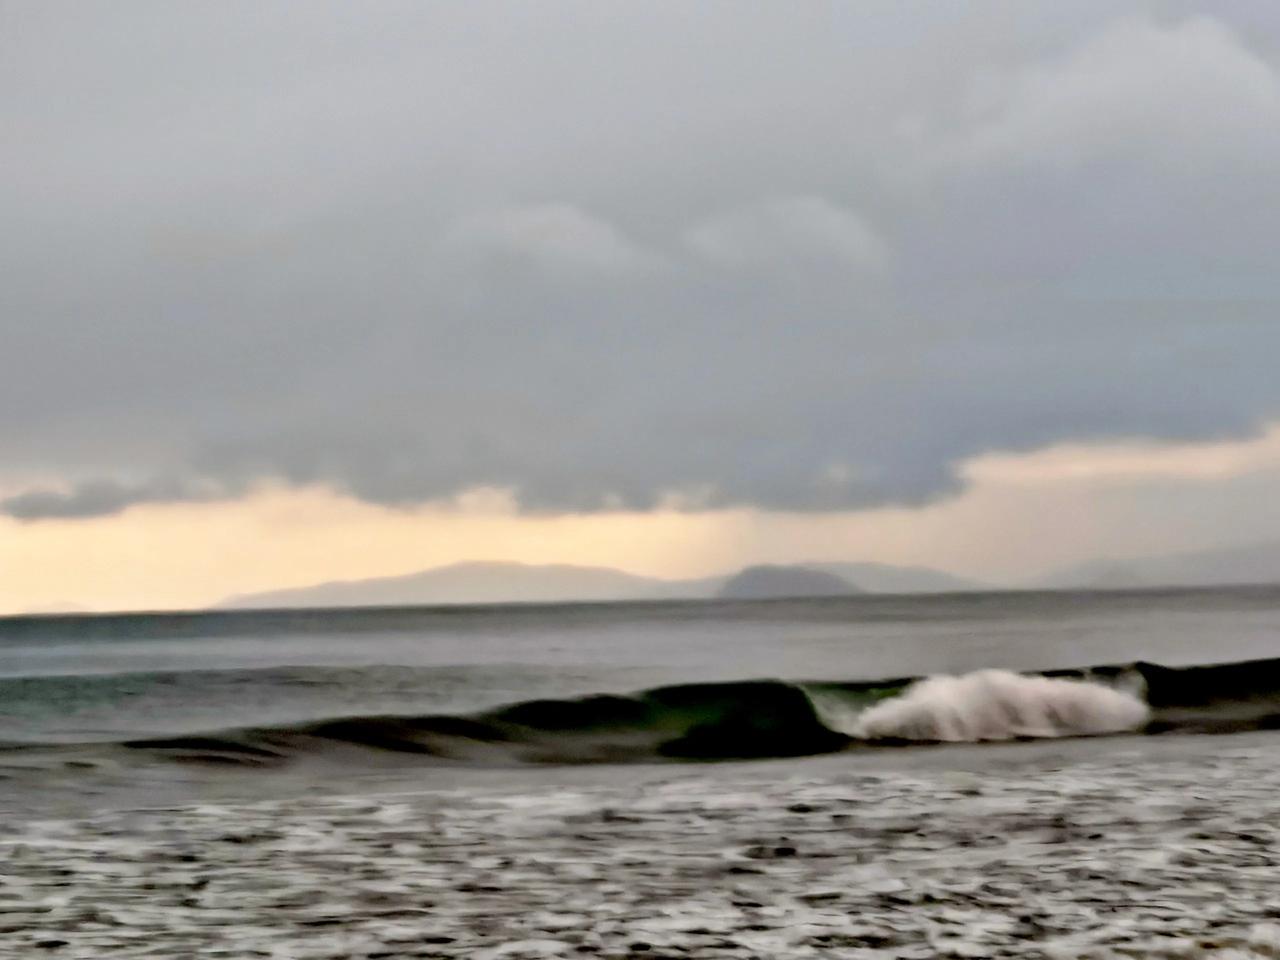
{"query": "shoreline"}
(1070, 850)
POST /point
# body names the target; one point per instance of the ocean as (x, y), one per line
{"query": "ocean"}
(689, 681)
(746, 779)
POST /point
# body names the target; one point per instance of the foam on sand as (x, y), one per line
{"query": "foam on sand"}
(1000, 705)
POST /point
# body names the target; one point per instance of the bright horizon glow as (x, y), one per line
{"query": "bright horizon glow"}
(1020, 515)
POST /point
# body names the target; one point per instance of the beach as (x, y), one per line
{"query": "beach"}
(1128, 847)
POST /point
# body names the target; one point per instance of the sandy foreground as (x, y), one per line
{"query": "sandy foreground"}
(1123, 853)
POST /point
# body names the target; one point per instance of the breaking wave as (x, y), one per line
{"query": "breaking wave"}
(999, 705)
(764, 718)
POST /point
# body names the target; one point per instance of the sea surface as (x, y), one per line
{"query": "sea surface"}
(520, 685)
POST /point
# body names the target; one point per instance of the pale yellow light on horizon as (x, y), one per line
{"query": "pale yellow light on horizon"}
(195, 554)
(1135, 459)
(1020, 514)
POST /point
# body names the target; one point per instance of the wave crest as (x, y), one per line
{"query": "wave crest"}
(1000, 705)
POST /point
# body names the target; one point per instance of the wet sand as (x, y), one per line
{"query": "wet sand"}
(1122, 852)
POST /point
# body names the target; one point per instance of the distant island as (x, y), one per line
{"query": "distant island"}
(500, 582)
(1224, 566)
(770, 581)
(503, 582)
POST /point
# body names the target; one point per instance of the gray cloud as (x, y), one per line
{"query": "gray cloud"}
(97, 498)
(794, 257)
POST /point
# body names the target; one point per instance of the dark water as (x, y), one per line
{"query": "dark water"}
(601, 682)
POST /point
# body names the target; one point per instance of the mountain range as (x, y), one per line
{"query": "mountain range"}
(499, 582)
(464, 583)
(1251, 563)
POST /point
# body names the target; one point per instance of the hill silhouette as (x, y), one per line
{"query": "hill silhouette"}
(767, 581)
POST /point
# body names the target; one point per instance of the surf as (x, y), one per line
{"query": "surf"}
(756, 719)
(992, 705)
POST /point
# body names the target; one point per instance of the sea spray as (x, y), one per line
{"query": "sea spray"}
(999, 705)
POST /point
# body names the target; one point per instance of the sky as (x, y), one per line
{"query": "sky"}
(297, 291)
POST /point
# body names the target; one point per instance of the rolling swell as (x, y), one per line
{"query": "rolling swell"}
(775, 718)
(767, 718)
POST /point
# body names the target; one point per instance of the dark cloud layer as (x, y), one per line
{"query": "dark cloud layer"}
(97, 498)
(729, 253)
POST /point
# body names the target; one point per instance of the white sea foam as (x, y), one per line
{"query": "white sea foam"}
(999, 705)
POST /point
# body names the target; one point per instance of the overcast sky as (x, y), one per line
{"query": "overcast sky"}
(775, 256)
